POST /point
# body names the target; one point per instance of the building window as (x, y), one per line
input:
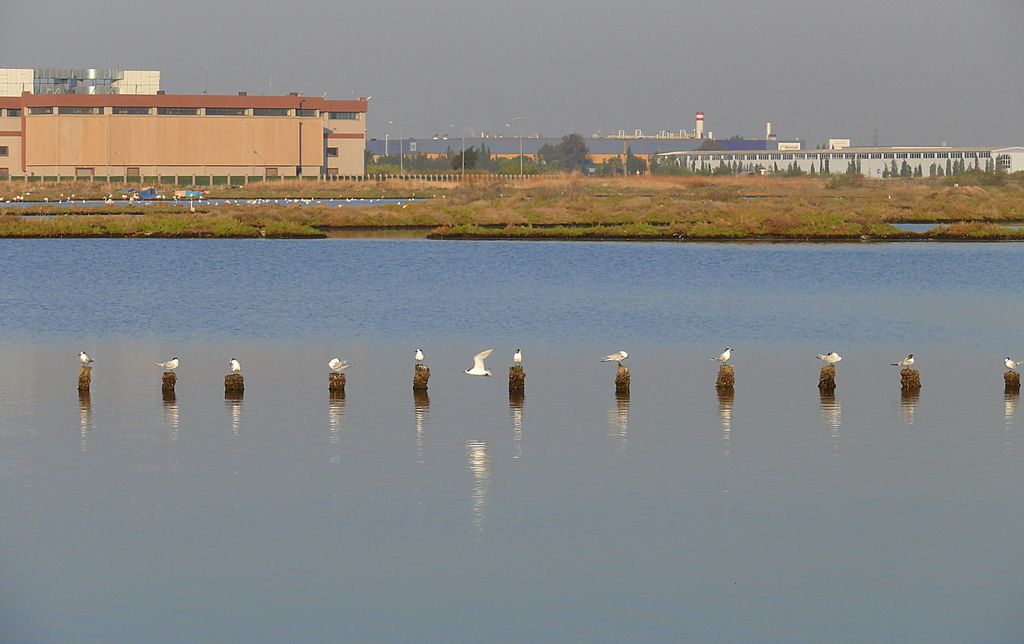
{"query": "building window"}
(84, 173)
(4, 151)
(14, 113)
(132, 172)
(271, 172)
(269, 111)
(307, 113)
(225, 111)
(332, 171)
(35, 111)
(177, 111)
(131, 110)
(5, 173)
(332, 152)
(347, 116)
(77, 110)
(1004, 163)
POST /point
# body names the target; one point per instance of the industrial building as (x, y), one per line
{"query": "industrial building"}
(183, 139)
(871, 162)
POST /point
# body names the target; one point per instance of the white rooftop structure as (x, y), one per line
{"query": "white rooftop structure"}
(78, 81)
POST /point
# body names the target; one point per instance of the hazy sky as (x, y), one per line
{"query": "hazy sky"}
(907, 71)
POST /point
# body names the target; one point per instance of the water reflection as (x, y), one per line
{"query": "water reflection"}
(725, 398)
(84, 415)
(336, 409)
(421, 408)
(1010, 406)
(233, 401)
(515, 410)
(479, 456)
(618, 422)
(831, 413)
(171, 412)
(908, 403)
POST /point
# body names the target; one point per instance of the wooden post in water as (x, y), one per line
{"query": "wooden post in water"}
(234, 383)
(910, 379)
(84, 378)
(622, 381)
(1011, 378)
(516, 380)
(827, 379)
(336, 382)
(726, 377)
(169, 380)
(420, 378)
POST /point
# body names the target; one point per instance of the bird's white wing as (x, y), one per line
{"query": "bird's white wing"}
(478, 359)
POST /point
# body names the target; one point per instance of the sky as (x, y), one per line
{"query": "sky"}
(895, 72)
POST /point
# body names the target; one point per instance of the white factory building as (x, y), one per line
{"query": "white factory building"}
(870, 162)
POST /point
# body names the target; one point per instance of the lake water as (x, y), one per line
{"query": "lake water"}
(674, 515)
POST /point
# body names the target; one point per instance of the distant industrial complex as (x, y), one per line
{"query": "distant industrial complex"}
(119, 124)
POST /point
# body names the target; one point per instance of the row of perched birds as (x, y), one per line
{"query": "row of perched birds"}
(478, 369)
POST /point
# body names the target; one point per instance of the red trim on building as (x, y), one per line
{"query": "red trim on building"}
(342, 135)
(180, 100)
(10, 133)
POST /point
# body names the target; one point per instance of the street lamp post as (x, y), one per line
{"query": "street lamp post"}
(519, 118)
(401, 150)
(463, 135)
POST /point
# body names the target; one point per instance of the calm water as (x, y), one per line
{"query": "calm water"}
(774, 515)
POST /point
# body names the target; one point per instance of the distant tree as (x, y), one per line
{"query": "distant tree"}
(710, 145)
(735, 137)
(573, 150)
(634, 163)
(471, 154)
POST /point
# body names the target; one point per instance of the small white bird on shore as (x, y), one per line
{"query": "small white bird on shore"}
(419, 355)
(86, 359)
(170, 365)
(478, 364)
(1010, 364)
(905, 362)
(724, 357)
(517, 357)
(831, 357)
(337, 366)
(234, 365)
(616, 357)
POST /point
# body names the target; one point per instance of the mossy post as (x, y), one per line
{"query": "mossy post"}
(726, 377)
(622, 381)
(84, 378)
(169, 380)
(1011, 378)
(516, 380)
(336, 382)
(420, 378)
(910, 379)
(827, 379)
(234, 383)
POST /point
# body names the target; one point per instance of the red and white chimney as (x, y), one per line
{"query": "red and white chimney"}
(698, 132)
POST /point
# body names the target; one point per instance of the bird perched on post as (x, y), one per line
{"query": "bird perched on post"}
(905, 362)
(86, 359)
(478, 364)
(724, 357)
(170, 365)
(337, 366)
(234, 365)
(517, 357)
(419, 355)
(616, 357)
(831, 357)
(1010, 364)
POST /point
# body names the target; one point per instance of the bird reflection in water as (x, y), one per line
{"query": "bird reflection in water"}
(479, 456)
(171, 412)
(618, 421)
(336, 409)
(1010, 406)
(233, 401)
(831, 413)
(421, 409)
(84, 415)
(908, 404)
(725, 398)
(515, 411)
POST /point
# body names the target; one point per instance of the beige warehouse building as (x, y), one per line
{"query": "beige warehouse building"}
(117, 136)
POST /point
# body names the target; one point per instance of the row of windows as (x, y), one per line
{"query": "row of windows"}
(189, 111)
(13, 112)
(846, 155)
